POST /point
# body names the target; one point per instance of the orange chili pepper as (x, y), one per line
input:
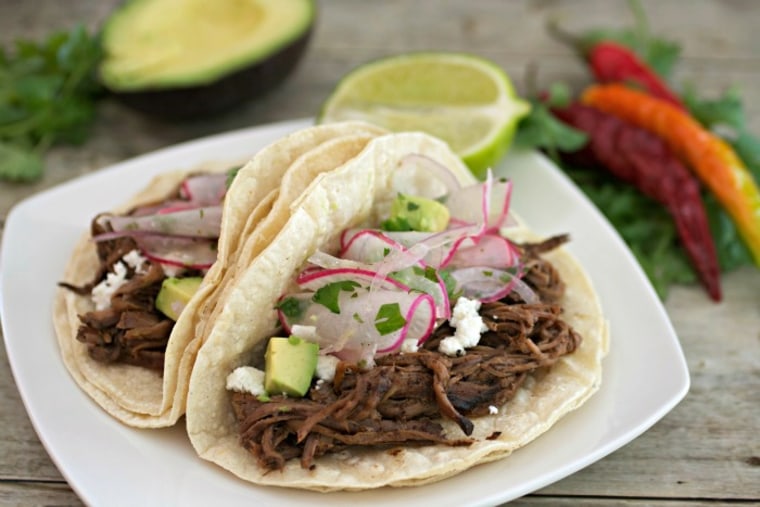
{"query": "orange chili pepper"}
(712, 160)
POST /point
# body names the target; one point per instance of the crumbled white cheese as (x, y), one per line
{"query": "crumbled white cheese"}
(409, 345)
(135, 260)
(463, 309)
(246, 379)
(102, 292)
(468, 326)
(326, 365)
(493, 410)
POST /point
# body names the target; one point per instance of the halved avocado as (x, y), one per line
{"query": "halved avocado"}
(188, 58)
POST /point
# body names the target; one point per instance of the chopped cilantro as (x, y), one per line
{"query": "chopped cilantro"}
(389, 319)
(291, 308)
(398, 224)
(328, 295)
(231, 176)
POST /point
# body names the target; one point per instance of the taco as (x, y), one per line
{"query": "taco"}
(130, 309)
(349, 357)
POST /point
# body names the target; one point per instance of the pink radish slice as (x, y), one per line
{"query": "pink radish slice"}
(202, 222)
(204, 189)
(490, 250)
(180, 252)
(357, 324)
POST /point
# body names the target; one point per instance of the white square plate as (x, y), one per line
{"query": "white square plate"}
(107, 463)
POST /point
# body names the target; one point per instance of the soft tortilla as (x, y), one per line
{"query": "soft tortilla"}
(140, 397)
(328, 206)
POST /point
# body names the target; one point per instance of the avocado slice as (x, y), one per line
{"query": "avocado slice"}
(290, 366)
(409, 212)
(187, 58)
(175, 293)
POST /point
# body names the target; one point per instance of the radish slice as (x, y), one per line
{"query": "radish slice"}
(490, 250)
(191, 253)
(204, 189)
(368, 246)
(202, 222)
(381, 320)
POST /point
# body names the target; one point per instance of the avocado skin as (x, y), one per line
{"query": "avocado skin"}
(222, 95)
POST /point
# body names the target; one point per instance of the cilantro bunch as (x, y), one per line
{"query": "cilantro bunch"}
(48, 91)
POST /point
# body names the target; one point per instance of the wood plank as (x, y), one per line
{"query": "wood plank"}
(707, 446)
(26, 494)
(22, 456)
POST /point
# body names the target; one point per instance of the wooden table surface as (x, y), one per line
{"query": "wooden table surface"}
(707, 450)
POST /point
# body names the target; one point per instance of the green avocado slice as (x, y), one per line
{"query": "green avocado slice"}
(175, 293)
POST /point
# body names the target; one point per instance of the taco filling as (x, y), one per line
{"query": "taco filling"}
(151, 261)
(433, 316)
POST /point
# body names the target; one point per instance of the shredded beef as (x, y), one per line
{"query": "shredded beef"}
(131, 330)
(400, 400)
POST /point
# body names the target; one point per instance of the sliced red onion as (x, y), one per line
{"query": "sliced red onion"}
(312, 281)
(435, 249)
(202, 222)
(488, 284)
(417, 278)
(494, 196)
(435, 168)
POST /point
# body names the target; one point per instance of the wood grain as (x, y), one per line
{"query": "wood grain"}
(707, 450)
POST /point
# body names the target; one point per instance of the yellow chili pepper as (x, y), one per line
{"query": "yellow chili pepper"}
(713, 161)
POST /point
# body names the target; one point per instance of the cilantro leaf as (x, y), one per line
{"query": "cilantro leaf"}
(48, 91)
(542, 130)
(389, 319)
(18, 164)
(398, 224)
(328, 295)
(291, 308)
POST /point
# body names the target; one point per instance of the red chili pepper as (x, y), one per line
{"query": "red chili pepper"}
(639, 157)
(612, 62)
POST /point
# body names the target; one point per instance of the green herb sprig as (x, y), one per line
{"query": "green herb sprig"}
(48, 91)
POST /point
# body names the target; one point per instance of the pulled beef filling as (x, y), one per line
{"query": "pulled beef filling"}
(131, 330)
(397, 402)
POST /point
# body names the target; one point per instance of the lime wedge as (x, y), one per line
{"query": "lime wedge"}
(467, 101)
